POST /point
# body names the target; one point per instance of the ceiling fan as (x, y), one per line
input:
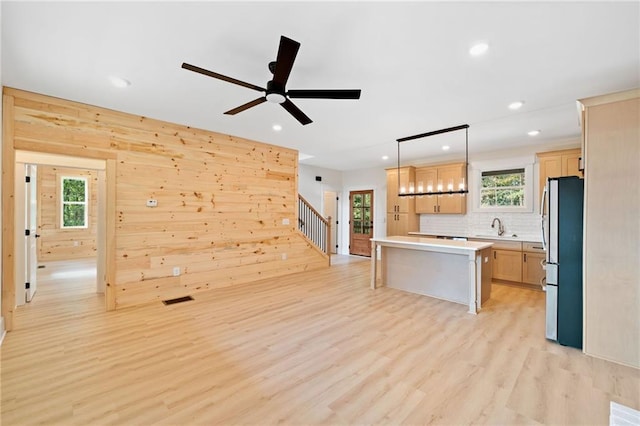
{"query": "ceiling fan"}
(276, 88)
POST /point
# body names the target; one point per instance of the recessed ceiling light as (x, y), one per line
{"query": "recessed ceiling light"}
(385, 157)
(534, 133)
(276, 127)
(119, 82)
(445, 147)
(516, 105)
(479, 49)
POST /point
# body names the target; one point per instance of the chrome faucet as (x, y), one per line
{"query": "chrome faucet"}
(500, 227)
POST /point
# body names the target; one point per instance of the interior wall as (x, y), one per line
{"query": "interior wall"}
(56, 243)
(357, 180)
(612, 229)
(226, 206)
(311, 189)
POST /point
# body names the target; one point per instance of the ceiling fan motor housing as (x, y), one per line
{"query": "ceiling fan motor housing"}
(275, 92)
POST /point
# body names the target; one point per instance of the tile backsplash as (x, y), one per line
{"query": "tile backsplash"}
(525, 225)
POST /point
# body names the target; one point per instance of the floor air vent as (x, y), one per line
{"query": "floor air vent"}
(177, 300)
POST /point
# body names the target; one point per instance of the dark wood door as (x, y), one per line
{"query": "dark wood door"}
(360, 222)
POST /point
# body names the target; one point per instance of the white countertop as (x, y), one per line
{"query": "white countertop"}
(433, 244)
(524, 238)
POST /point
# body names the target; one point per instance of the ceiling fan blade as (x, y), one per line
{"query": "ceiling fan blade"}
(296, 112)
(286, 56)
(325, 94)
(221, 77)
(246, 106)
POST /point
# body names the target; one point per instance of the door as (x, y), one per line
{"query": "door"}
(31, 222)
(360, 222)
(330, 209)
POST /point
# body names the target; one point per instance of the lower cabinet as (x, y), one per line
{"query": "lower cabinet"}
(533, 257)
(400, 223)
(518, 262)
(507, 265)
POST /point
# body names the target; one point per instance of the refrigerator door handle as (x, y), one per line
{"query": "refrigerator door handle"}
(542, 216)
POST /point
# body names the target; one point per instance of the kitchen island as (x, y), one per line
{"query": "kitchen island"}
(457, 271)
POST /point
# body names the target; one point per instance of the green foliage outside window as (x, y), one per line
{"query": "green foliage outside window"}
(503, 188)
(361, 211)
(74, 203)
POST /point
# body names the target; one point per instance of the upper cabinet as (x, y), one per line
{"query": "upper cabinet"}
(441, 178)
(401, 211)
(399, 181)
(559, 163)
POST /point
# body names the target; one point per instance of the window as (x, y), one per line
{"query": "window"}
(74, 204)
(502, 188)
(503, 185)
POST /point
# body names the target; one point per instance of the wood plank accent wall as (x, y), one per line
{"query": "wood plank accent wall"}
(56, 243)
(221, 199)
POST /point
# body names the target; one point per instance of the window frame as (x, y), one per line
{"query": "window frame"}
(85, 202)
(525, 163)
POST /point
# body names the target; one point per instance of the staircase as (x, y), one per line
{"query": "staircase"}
(316, 228)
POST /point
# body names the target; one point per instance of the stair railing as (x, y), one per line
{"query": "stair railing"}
(315, 227)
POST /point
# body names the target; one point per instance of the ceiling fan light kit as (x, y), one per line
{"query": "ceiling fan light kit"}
(276, 87)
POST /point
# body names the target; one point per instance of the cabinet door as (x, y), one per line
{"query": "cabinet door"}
(391, 224)
(402, 224)
(532, 272)
(427, 179)
(392, 191)
(407, 177)
(397, 204)
(507, 265)
(571, 164)
(550, 166)
(451, 178)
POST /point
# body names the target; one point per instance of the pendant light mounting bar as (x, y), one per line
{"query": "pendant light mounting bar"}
(466, 161)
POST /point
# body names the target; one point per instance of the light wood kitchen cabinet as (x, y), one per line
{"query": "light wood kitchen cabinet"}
(449, 176)
(401, 211)
(557, 164)
(517, 262)
(507, 265)
(532, 258)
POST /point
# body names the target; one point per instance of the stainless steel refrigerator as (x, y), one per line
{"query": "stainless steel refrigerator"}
(562, 231)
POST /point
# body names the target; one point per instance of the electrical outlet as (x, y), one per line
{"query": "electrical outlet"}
(176, 271)
(284, 256)
(285, 221)
(152, 203)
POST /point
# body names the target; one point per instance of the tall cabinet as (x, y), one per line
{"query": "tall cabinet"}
(401, 211)
(611, 137)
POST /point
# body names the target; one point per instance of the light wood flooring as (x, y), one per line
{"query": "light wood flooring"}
(311, 348)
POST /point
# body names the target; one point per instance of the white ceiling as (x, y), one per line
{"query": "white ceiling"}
(410, 59)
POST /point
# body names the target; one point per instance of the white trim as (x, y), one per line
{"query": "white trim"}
(3, 332)
(478, 167)
(85, 202)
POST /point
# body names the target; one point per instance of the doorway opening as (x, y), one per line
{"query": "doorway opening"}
(360, 222)
(62, 208)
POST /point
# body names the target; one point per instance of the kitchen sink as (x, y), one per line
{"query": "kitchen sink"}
(496, 237)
